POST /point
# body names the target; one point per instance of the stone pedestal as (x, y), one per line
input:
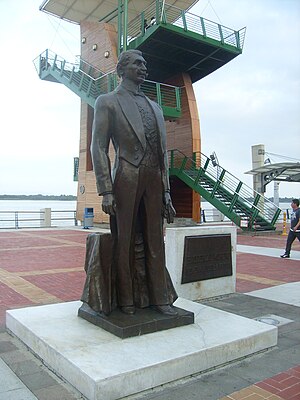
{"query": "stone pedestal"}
(207, 259)
(104, 367)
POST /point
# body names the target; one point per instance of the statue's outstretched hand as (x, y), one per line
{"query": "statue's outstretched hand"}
(109, 204)
(168, 209)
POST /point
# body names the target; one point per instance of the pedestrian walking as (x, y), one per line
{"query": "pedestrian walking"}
(294, 231)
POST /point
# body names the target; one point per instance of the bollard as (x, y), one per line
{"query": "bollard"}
(45, 221)
(284, 232)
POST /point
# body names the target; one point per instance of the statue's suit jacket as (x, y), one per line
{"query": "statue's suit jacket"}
(117, 118)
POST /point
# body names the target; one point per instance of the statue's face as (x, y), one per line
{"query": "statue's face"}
(136, 69)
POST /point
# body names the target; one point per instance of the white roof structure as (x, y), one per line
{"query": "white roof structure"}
(284, 172)
(77, 11)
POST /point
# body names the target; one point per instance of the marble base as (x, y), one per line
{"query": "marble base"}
(202, 289)
(104, 367)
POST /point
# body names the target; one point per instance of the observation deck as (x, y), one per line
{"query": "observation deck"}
(175, 41)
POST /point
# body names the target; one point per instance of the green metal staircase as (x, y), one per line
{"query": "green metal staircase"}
(89, 82)
(247, 209)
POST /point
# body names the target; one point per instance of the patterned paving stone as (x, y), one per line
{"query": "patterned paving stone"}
(44, 266)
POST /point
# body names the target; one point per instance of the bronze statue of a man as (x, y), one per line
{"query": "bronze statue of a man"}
(137, 191)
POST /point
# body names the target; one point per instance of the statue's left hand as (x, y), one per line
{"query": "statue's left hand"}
(168, 209)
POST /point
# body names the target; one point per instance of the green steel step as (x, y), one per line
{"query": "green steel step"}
(224, 191)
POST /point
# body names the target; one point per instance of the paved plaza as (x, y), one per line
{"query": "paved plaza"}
(46, 266)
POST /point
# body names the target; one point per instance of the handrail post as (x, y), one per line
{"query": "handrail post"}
(158, 92)
(115, 81)
(163, 14)
(172, 159)
(46, 57)
(54, 62)
(235, 196)
(183, 164)
(200, 172)
(184, 20)
(203, 26)
(62, 66)
(256, 200)
(237, 38)
(89, 88)
(16, 220)
(206, 164)
(203, 215)
(125, 24)
(109, 83)
(120, 11)
(178, 100)
(221, 33)
(157, 13)
(143, 28)
(81, 81)
(75, 219)
(276, 215)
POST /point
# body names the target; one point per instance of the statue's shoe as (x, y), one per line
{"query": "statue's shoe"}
(166, 310)
(130, 310)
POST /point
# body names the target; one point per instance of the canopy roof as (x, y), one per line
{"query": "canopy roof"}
(77, 11)
(288, 171)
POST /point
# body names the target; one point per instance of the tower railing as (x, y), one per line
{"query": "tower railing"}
(155, 15)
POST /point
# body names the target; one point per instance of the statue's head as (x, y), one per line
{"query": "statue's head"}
(132, 66)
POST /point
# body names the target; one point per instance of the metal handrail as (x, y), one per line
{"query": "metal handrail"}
(80, 61)
(54, 60)
(19, 222)
(228, 181)
(164, 94)
(186, 20)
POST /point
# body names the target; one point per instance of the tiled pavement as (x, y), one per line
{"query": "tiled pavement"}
(46, 266)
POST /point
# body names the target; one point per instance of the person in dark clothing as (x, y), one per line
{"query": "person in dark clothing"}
(295, 228)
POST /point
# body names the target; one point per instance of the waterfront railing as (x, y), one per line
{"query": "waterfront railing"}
(55, 218)
(45, 218)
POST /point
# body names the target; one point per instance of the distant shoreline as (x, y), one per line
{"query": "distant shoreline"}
(61, 197)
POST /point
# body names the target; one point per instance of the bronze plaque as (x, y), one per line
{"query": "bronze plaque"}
(206, 257)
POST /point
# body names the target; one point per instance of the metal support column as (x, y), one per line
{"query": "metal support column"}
(258, 156)
(120, 11)
(125, 24)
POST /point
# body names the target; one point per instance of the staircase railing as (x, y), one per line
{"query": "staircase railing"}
(89, 82)
(155, 14)
(75, 76)
(230, 185)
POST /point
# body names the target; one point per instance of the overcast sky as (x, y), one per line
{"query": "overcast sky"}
(253, 99)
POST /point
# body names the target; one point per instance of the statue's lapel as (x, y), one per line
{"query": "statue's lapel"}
(132, 114)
